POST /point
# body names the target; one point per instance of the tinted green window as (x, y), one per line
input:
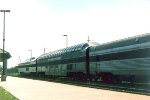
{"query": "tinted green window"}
(27, 69)
(69, 67)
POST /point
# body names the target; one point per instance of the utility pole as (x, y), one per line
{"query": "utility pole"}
(88, 39)
(31, 54)
(66, 40)
(44, 50)
(3, 77)
(19, 59)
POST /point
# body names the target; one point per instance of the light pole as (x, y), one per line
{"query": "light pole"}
(3, 78)
(66, 40)
(19, 59)
(31, 54)
(44, 50)
(88, 39)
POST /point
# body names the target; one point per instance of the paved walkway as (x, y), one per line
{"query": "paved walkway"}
(28, 89)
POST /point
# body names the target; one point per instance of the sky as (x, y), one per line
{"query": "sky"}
(38, 24)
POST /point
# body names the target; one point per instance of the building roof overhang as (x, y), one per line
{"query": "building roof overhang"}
(6, 55)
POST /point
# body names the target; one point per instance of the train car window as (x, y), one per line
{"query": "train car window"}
(46, 67)
(47, 56)
(97, 58)
(51, 66)
(69, 67)
(73, 49)
(70, 50)
(67, 50)
(27, 69)
(58, 52)
(136, 39)
(79, 48)
(56, 66)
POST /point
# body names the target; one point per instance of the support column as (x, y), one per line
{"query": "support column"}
(4, 75)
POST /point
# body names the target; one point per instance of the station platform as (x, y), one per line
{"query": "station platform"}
(28, 89)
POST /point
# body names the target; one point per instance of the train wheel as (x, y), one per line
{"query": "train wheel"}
(81, 76)
(107, 77)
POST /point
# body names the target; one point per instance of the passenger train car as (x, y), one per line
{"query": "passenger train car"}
(27, 67)
(126, 60)
(123, 60)
(70, 62)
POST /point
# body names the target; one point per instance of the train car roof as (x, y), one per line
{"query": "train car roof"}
(28, 61)
(78, 47)
(124, 42)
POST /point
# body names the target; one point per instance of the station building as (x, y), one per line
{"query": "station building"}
(6, 57)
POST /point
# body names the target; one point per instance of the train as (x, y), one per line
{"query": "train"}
(125, 60)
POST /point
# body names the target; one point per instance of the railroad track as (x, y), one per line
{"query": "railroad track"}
(143, 89)
(129, 88)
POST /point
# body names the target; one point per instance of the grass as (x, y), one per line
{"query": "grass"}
(4, 95)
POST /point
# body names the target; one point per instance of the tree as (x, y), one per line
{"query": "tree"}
(13, 71)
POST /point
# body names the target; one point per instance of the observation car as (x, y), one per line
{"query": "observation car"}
(71, 62)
